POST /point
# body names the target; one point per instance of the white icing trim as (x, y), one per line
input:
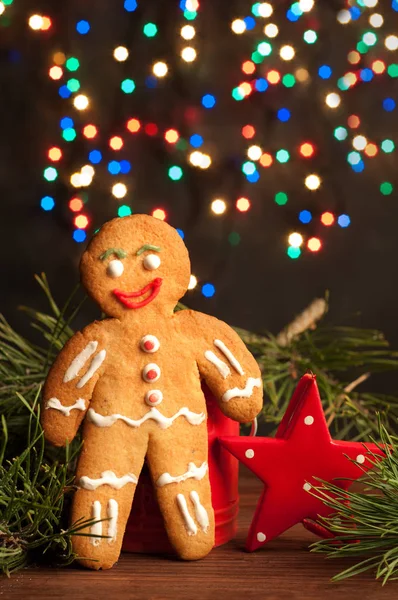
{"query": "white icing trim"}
(78, 363)
(234, 362)
(95, 365)
(96, 529)
(189, 522)
(193, 472)
(246, 392)
(107, 478)
(220, 365)
(112, 511)
(200, 512)
(153, 413)
(56, 405)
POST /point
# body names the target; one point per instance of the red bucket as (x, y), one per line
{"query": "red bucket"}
(145, 530)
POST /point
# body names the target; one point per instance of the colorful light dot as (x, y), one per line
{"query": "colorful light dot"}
(312, 182)
(120, 53)
(133, 125)
(287, 52)
(261, 84)
(81, 102)
(50, 174)
(295, 239)
(81, 221)
(254, 152)
(47, 203)
(314, 244)
(271, 30)
(95, 156)
(159, 213)
(127, 86)
(114, 167)
(69, 134)
(90, 131)
(264, 9)
(248, 167)
(282, 156)
(55, 73)
(171, 136)
(234, 238)
(196, 140)
(36, 22)
(119, 190)
(353, 121)
(353, 57)
(344, 220)
(371, 150)
(124, 211)
(248, 67)
(76, 204)
(305, 217)
(188, 54)
(82, 27)
(391, 42)
(389, 104)
(283, 114)
(310, 36)
(306, 150)
(325, 72)
(327, 219)
(79, 235)
(160, 69)
(130, 5)
(218, 206)
(333, 100)
(264, 48)
(248, 131)
(238, 26)
(387, 146)
(116, 142)
(208, 101)
(273, 77)
(208, 290)
(243, 204)
(187, 32)
(386, 188)
(54, 154)
(175, 173)
(359, 142)
(293, 252)
(376, 20)
(73, 84)
(150, 29)
(343, 17)
(72, 64)
(281, 198)
(266, 160)
(59, 58)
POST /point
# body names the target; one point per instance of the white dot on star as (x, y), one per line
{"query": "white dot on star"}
(360, 459)
(261, 537)
(307, 487)
(249, 453)
(309, 420)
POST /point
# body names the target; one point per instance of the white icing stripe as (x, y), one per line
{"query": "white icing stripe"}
(234, 362)
(246, 392)
(96, 529)
(107, 478)
(78, 363)
(200, 512)
(95, 365)
(192, 473)
(112, 511)
(189, 522)
(56, 405)
(220, 365)
(153, 413)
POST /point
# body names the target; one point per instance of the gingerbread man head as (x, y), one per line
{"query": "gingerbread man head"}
(136, 264)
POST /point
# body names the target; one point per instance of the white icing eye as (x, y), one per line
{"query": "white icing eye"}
(151, 262)
(115, 268)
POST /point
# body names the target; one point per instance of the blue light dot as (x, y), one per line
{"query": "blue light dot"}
(47, 203)
(366, 74)
(114, 167)
(253, 177)
(130, 5)
(151, 81)
(125, 166)
(344, 220)
(79, 235)
(283, 114)
(208, 101)
(325, 72)
(261, 84)
(355, 12)
(305, 216)
(66, 123)
(250, 23)
(196, 140)
(208, 290)
(181, 233)
(389, 104)
(394, 5)
(64, 91)
(291, 16)
(82, 27)
(95, 157)
(359, 167)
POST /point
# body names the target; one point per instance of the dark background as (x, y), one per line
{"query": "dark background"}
(257, 285)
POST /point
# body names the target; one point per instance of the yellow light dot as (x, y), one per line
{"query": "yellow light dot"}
(75, 180)
(81, 102)
(333, 100)
(376, 20)
(265, 10)
(271, 30)
(391, 42)
(2, 8)
(160, 69)
(188, 54)
(306, 5)
(287, 52)
(218, 206)
(188, 32)
(55, 72)
(121, 53)
(312, 182)
(59, 58)
(192, 282)
(238, 26)
(36, 22)
(295, 239)
(46, 23)
(254, 153)
(205, 162)
(302, 75)
(353, 57)
(343, 17)
(119, 190)
(359, 142)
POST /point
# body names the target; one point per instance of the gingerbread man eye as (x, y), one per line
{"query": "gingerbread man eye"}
(115, 268)
(151, 262)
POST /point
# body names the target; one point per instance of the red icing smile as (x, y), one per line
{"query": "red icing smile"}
(153, 288)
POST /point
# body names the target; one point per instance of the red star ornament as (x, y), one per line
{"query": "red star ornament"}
(287, 464)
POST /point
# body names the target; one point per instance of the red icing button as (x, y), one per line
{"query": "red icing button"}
(148, 345)
(152, 374)
(153, 398)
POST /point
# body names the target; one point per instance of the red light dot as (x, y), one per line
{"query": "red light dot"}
(314, 244)
(75, 204)
(46, 24)
(353, 121)
(243, 204)
(266, 160)
(159, 213)
(54, 154)
(133, 125)
(327, 218)
(81, 221)
(273, 77)
(248, 67)
(90, 131)
(171, 136)
(55, 73)
(116, 142)
(151, 129)
(248, 131)
(306, 149)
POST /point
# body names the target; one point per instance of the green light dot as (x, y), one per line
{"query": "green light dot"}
(353, 158)
(288, 80)
(282, 156)
(310, 36)
(362, 47)
(386, 188)
(342, 84)
(234, 238)
(340, 133)
(73, 85)
(128, 86)
(69, 134)
(150, 29)
(293, 252)
(72, 64)
(280, 198)
(264, 48)
(190, 15)
(7, 2)
(50, 174)
(181, 144)
(248, 167)
(256, 9)
(175, 173)
(237, 94)
(257, 57)
(123, 211)
(387, 146)
(393, 70)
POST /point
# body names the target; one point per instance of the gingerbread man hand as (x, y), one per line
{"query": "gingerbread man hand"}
(135, 381)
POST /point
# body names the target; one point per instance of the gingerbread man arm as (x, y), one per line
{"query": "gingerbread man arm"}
(70, 384)
(227, 366)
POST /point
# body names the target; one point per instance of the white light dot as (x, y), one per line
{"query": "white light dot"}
(370, 3)
(188, 54)
(307, 487)
(249, 453)
(192, 282)
(188, 32)
(271, 30)
(195, 158)
(75, 180)
(376, 20)
(287, 52)
(359, 142)
(160, 69)
(312, 182)
(261, 537)
(88, 170)
(360, 459)
(254, 153)
(333, 100)
(343, 17)
(120, 53)
(80, 102)
(2, 8)
(295, 239)
(309, 420)
(238, 26)
(265, 10)
(205, 161)
(218, 206)
(36, 22)
(306, 5)
(119, 190)
(391, 42)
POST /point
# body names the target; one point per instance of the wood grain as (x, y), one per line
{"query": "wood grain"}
(283, 570)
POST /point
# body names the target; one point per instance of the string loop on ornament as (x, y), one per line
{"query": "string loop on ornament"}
(253, 430)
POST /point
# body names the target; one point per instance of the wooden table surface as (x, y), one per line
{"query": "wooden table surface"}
(282, 570)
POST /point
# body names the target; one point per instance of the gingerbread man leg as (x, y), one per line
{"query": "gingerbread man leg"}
(109, 466)
(178, 464)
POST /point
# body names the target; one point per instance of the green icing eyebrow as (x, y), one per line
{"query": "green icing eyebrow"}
(117, 251)
(148, 247)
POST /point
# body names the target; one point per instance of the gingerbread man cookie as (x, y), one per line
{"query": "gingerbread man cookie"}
(135, 380)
